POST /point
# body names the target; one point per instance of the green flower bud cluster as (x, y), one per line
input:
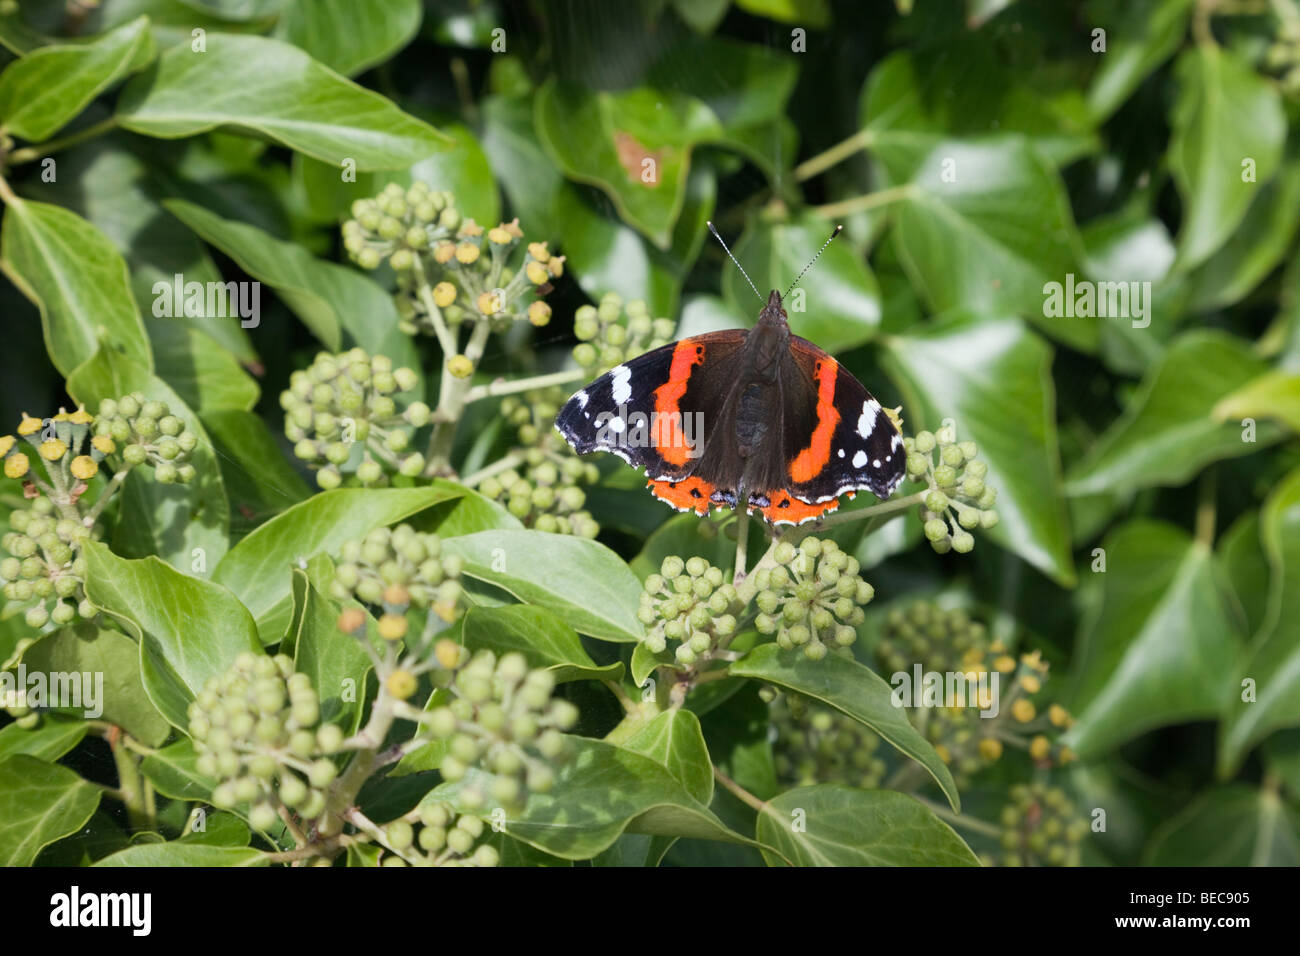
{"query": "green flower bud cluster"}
(544, 492)
(813, 598)
(398, 220)
(1041, 827)
(503, 721)
(392, 569)
(44, 564)
(348, 399)
(959, 500)
(690, 609)
(1282, 56)
(255, 730)
(938, 639)
(611, 333)
(442, 839)
(134, 430)
(816, 744)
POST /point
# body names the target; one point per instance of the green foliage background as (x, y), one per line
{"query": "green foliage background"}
(776, 119)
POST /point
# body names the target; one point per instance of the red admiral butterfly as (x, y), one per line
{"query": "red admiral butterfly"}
(788, 427)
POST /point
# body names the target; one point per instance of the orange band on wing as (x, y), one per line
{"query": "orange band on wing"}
(685, 495)
(666, 430)
(810, 462)
(786, 507)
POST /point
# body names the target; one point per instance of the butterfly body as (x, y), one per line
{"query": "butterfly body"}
(760, 413)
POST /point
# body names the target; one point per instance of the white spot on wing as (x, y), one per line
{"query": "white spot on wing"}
(867, 420)
(841, 452)
(581, 398)
(859, 459)
(622, 384)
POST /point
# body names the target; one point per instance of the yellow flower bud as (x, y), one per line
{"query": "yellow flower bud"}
(1034, 660)
(396, 594)
(84, 467)
(556, 266)
(1005, 664)
(401, 684)
(460, 366)
(443, 252)
(539, 251)
(445, 610)
(466, 253)
(470, 229)
(536, 273)
(1059, 716)
(54, 449)
(1031, 683)
(539, 313)
(16, 465)
(81, 417)
(392, 627)
(1067, 755)
(489, 303)
(6, 444)
(29, 425)
(499, 236)
(103, 444)
(1040, 747)
(1023, 711)
(512, 227)
(990, 748)
(447, 653)
(352, 620)
(444, 294)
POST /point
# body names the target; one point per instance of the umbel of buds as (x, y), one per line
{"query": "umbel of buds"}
(813, 598)
(816, 744)
(1040, 827)
(959, 500)
(340, 413)
(392, 569)
(442, 838)
(138, 431)
(690, 609)
(256, 731)
(503, 721)
(611, 333)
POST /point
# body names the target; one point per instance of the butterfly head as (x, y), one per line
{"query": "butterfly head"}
(773, 313)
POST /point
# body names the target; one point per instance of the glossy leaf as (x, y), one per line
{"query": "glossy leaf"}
(346, 36)
(675, 740)
(1274, 395)
(207, 378)
(1145, 34)
(333, 660)
(1234, 826)
(39, 803)
(49, 741)
(544, 640)
(185, 853)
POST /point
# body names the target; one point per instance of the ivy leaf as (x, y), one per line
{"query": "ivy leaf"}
(634, 144)
(189, 630)
(1157, 651)
(39, 803)
(1225, 114)
(993, 376)
(544, 640)
(986, 225)
(582, 581)
(347, 37)
(1232, 826)
(206, 378)
(1168, 432)
(260, 482)
(838, 311)
(854, 690)
(833, 825)
(185, 853)
(1275, 395)
(257, 570)
(50, 86)
(1140, 36)
(675, 740)
(182, 524)
(325, 654)
(600, 792)
(87, 649)
(53, 738)
(72, 273)
(1274, 661)
(268, 88)
(174, 773)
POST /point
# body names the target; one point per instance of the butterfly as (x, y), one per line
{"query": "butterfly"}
(760, 414)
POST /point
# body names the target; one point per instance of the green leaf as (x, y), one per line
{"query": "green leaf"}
(268, 88)
(348, 37)
(257, 569)
(832, 825)
(1168, 433)
(600, 792)
(1157, 650)
(50, 86)
(1274, 660)
(206, 378)
(582, 581)
(179, 523)
(543, 639)
(675, 740)
(1140, 35)
(53, 738)
(72, 273)
(327, 655)
(39, 803)
(635, 145)
(1233, 826)
(811, 14)
(839, 309)
(993, 377)
(185, 853)
(89, 650)
(987, 225)
(854, 690)
(173, 773)
(1241, 554)
(188, 629)
(1274, 395)
(1225, 114)
(259, 480)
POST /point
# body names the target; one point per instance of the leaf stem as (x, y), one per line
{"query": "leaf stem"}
(883, 197)
(739, 792)
(974, 824)
(1206, 509)
(29, 153)
(502, 387)
(841, 151)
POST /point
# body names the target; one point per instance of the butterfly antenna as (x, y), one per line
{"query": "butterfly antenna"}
(733, 259)
(838, 230)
